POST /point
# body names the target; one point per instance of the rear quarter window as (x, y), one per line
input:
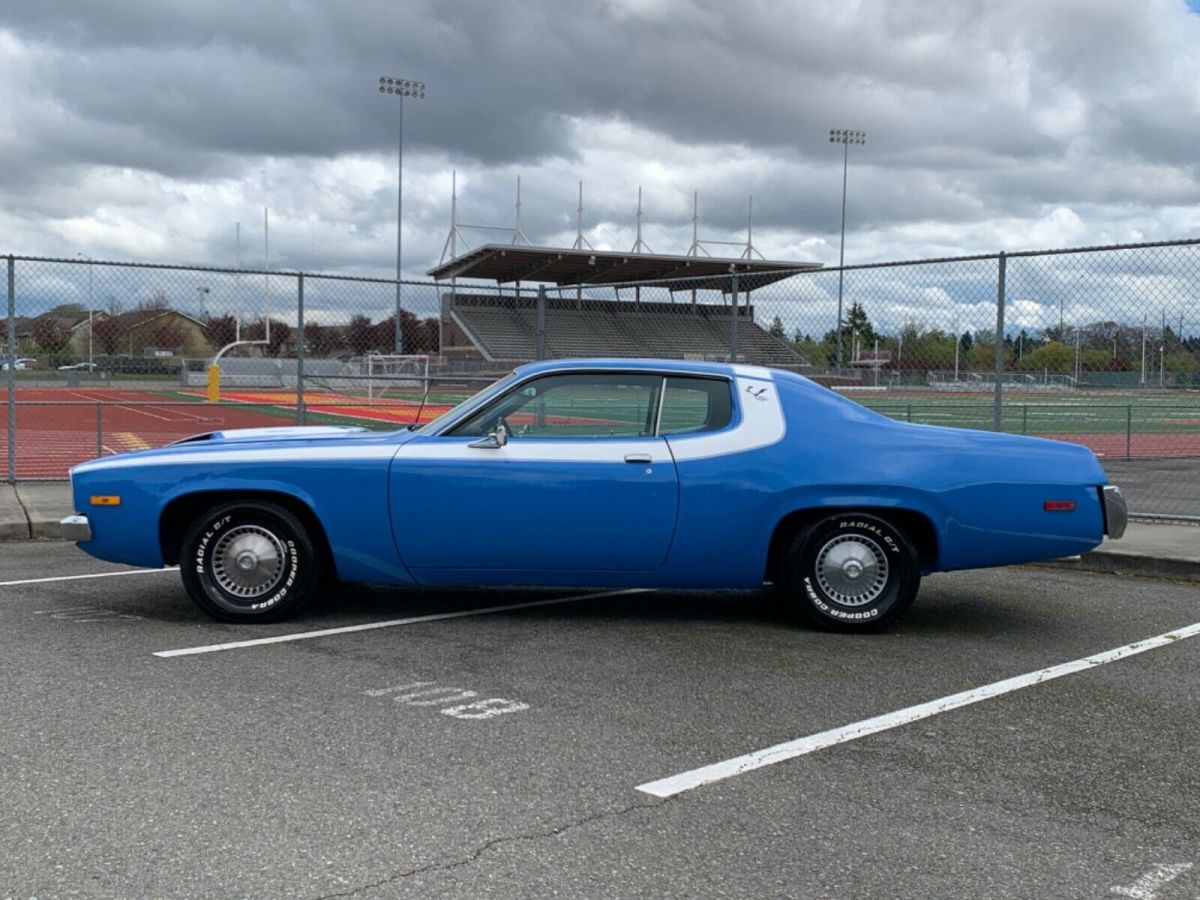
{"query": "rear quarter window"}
(695, 405)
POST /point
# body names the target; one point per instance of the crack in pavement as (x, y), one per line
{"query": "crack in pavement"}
(476, 854)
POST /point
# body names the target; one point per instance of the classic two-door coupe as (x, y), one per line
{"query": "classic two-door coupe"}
(600, 472)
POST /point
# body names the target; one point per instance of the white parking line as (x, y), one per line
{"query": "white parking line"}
(686, 781)
(390, 623)
(1146, 887)
(93, 575)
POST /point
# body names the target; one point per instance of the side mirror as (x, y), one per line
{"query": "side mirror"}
(493, 441)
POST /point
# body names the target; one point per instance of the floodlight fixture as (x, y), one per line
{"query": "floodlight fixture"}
(845, 137)
(412, 89)
(401, 88)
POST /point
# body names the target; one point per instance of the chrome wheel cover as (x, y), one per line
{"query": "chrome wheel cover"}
(852, 570)
(248, 561)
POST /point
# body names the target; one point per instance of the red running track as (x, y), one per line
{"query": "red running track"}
(52, 438)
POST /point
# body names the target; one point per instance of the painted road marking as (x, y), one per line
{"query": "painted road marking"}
(1146, 887)
(85, 614)
(390, 623)
(686, 781)
(93, 575)
(428, 693)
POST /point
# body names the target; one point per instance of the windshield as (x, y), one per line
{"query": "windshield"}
(483, 396)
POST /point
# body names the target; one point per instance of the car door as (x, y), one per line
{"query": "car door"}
(583, 483)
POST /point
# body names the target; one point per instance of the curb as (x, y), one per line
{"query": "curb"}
(31, 530)
(14, 531)
(1109, 563)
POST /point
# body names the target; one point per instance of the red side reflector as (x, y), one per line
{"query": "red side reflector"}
(1058, 505)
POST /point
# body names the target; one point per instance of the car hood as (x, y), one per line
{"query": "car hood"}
(284, 433)
(215, 447)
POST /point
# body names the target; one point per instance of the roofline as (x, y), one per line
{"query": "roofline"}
(461, 266)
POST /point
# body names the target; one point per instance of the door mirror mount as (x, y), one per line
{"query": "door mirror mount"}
(492, 441)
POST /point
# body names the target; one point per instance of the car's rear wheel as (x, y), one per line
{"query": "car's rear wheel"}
(852, 571)
(249, 561)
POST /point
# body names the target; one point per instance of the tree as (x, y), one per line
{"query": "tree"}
(776, 330)
(278, 335)
(966, 342)
(322, 340)
(51, 336)
(1054, 356)
(814, 354)
(108, 334)
(220, 331)
(358, 335)
(1182, 363)
(857, 321)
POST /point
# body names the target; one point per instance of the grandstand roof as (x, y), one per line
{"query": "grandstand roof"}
(506, 263)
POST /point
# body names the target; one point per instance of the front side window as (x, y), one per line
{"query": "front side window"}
(583, 405)
(692, 405)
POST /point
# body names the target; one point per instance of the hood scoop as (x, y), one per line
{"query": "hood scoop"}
(285, 433)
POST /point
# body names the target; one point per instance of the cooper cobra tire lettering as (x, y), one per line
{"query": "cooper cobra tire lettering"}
(293, 582)
(848, 608)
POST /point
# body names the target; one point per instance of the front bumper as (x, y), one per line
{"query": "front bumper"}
(1116, 514)
(76, 528)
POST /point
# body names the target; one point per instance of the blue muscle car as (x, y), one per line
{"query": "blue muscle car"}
(600, 472)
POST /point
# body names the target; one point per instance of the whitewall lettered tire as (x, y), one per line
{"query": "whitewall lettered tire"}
(852, 571)
(249, 561)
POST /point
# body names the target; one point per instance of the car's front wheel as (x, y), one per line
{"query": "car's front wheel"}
(249, 561)
(852, 571)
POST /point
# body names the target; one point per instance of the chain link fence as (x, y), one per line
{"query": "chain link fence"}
(1100, 346)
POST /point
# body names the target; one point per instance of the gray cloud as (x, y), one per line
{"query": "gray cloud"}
(983, 119)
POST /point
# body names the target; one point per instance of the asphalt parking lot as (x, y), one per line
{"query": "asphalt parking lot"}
(148, 751)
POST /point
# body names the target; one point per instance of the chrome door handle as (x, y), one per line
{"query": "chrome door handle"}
(639, 459)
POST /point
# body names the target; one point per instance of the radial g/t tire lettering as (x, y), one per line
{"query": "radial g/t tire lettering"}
(852, 571)
(249, 561)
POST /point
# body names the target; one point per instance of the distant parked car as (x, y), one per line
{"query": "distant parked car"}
(630, 473)
(18, 364)
(78, 367)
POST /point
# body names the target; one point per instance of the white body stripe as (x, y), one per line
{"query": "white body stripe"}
(581, 450)
(758, 373)
(297, 453)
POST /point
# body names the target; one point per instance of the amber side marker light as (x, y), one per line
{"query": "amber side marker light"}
(105, 500)
(1058, 505)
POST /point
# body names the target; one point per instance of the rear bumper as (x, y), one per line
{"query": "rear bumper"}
(76, 528)
(1116, 514)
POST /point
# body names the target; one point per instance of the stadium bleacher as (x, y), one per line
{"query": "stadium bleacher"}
(505, 328)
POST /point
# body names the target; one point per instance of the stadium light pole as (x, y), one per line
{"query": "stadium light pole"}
(845, 137)
(413, 90)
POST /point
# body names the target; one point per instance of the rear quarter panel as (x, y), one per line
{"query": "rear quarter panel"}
(982, 492)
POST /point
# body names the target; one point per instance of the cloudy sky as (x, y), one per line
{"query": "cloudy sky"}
(146, 129)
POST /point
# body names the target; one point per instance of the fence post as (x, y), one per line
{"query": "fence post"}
(541, 322)
(1129, 432)
(733, 318)
(99, 429)
(301, 412)
(11, 331)
(998, 400)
